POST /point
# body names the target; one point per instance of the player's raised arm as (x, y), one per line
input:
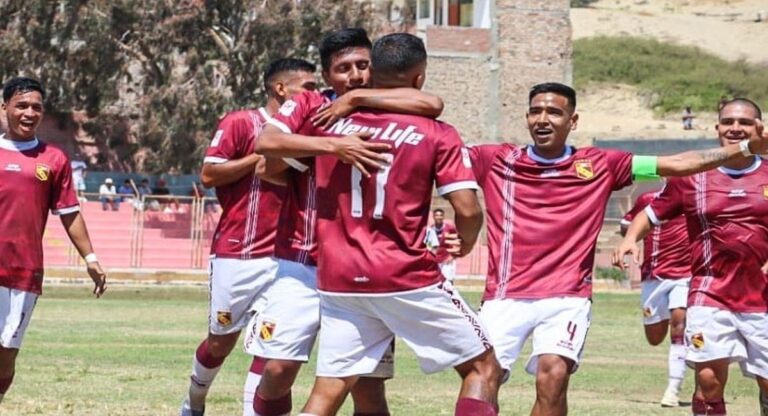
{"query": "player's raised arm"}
(218, 174)
(396, 100)
(641, 225)
(687, 163)
(468, 219)
(78, 234)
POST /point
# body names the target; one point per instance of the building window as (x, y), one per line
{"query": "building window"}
(466, 13)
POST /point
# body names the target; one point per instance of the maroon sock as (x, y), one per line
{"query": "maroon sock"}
(710, 408)
(473, 407)
(5, 384)
(275, 407)
(205, 358)
(257, 365)
(678, 339)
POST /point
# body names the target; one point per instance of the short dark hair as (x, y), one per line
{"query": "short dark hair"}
(21, 85)
(279, 66)
(339, 40)
(556, 88)
(397, 53)
(741, 100)
(440, 210)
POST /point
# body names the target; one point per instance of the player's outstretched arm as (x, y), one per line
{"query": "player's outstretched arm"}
(75, 226)
(396, 100)
(219, 174)
(468, 220)
(352, 149)
(637, 230)
(688, 163)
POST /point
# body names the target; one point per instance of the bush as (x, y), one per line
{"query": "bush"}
(674, 76)
(610, 273)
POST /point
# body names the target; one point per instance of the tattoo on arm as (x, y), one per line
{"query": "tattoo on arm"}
(713, 155)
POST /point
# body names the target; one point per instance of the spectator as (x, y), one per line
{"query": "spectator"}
(78, 178)
(144, 188)
(126, 190)
(108, 195)
(162, 191)
(688, 118)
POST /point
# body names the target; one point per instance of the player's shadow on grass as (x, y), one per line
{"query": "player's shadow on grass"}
(679, 404)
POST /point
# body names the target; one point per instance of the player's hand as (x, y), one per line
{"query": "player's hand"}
(332, 112)
(99, 278)
(764, 269)
(261, 165)
(365, 156)
(759, 144)
(624, 249)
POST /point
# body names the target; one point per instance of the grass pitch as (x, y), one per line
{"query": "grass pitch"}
(130, 353)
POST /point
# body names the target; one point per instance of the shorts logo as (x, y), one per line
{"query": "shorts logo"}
(42, 172)
(224, 318)
(647, 312)
(584, 169)
(765, 191)
(697, 340)
(267, 330)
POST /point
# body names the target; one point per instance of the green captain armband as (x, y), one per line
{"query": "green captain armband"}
(644, 168)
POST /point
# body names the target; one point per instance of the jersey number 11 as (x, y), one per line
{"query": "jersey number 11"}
(357, 189)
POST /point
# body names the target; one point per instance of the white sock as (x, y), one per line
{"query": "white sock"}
(201, 380)
(249, 392)
(676, 366)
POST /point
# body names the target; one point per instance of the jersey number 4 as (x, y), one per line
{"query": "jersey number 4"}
(357, 190)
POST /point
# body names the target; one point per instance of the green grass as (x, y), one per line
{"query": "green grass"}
(130, 353)
(673, 76)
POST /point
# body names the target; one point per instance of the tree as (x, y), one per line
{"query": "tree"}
(159, 74)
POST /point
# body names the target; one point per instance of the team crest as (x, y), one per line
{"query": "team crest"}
(224, 318)
(42, 172)
(584, 169)
(647, 312)
(765, 191)
(267, 330)
(697, 340)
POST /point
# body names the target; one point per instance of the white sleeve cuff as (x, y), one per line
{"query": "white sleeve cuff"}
(280, 125)
(295, 164)
(652, 216)
(451, 187)
(215, 160)
(65, 211)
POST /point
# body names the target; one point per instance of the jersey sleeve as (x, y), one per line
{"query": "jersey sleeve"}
(481, 158)
(453, 164)
(229, 142)
(63, 196)
(640, 203)
(620, 165)
(294, 113)
(668, 204)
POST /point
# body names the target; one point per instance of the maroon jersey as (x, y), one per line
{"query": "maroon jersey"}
(250, 206)
(726, 213)
(371, 230)
(34, 178)
(296, 239)
(666, 250)
(439, 249)
(544, 217)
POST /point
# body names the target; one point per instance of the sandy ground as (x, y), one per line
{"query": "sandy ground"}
(724, 28)
(621, 112)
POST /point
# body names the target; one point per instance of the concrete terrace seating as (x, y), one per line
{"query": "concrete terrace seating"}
(164, 242)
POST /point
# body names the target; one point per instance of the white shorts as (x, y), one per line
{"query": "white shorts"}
(434, 322)
(448, 269)
(286, 326)
(235, 286)
(659, 296)
(16, 308)
(559, 326)
(713, 334)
